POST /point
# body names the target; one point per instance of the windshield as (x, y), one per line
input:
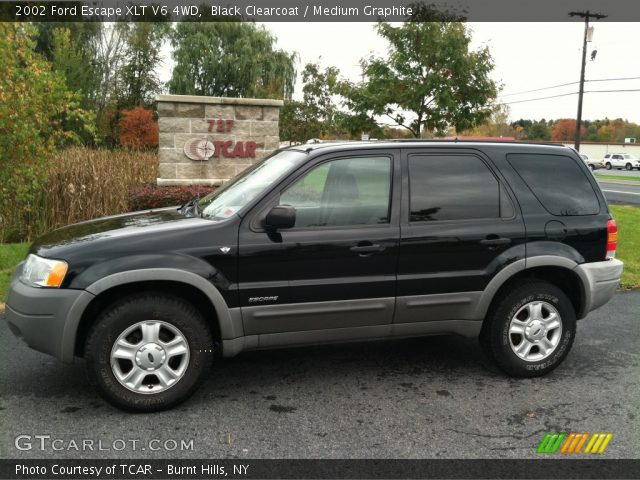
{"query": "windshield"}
(238, 192)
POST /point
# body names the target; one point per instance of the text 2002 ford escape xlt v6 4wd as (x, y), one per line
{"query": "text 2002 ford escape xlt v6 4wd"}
(334, 242)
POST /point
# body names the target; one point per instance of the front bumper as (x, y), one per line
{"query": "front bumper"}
(46, 319)
(600, 280)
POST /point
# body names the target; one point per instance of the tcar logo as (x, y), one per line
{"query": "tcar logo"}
(199, 149)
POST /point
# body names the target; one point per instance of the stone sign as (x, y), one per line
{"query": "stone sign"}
(208, 140)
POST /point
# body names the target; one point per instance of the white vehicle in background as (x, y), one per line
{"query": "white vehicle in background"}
(621, 160)
(592, 164)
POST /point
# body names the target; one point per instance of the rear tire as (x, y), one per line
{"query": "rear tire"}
(530, 330)
(148, 352)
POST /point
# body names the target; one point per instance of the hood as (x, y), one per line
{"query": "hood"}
(127, 228)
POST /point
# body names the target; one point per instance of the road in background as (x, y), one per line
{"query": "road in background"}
(632, 174)
(434, 397)
(619, 191)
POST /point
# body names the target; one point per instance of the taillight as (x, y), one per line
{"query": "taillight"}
(612, 239)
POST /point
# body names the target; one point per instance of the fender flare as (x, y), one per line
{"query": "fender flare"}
(228, 328)
(525, 264)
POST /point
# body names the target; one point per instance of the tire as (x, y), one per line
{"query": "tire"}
(177, 339)
(500, 345)
(628, 167)
(592, 167)
(608, 166)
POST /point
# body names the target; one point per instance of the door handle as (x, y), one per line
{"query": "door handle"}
(367, 249)
(495, 241)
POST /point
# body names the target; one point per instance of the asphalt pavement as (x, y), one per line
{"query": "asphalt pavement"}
(620, 191)
(434, 397)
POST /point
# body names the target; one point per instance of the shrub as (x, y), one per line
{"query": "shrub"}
(84, 183)
(138, 129)
(144, 198)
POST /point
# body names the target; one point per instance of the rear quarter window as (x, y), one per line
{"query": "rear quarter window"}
(558, 183)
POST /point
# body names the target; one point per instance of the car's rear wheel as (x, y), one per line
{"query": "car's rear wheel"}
(148, 352)
(592, 167)
(628, 166)
(530, 330)
(608, 165)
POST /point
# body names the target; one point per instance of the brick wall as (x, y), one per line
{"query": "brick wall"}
(222, 135)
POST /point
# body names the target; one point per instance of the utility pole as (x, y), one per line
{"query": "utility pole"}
(586, 15)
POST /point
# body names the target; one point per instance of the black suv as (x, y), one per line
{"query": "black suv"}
(508, 242)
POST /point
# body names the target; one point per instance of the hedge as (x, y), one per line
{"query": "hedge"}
(147, 197)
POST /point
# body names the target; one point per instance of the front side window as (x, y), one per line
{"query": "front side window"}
(452, 187)
(344, 192)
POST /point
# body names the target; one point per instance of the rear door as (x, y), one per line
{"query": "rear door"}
(459, 228)
(336, 268)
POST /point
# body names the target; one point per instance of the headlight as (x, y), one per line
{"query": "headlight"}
(43, 272)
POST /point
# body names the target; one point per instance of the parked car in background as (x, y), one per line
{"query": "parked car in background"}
(592, 164)
(621, 160)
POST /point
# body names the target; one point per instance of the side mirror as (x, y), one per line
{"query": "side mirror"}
(281, 216)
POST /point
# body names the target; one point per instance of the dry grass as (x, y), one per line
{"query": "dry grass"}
(84, 183)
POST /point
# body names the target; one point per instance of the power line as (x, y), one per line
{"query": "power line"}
(569, 83)
(612, 79)
(572, 93)
(613, 91)
(540, 98)
(538, 89)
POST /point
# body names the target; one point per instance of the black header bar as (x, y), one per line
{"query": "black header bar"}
(316, 10)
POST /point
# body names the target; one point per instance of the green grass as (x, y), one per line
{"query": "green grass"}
(617, 177)
(628, 220)
(10, 255)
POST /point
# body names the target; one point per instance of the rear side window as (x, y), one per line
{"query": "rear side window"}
(557, 182)
(451, 187)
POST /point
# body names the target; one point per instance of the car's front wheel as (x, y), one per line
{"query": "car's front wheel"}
(529, 332)
(628, 166)
(608, 166)
(148, 352)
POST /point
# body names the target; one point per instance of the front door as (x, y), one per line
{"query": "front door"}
(336, 268)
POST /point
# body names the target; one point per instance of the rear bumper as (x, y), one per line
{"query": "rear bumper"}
(600, 279)
(46, 319)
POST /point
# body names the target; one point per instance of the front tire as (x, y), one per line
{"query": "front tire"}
(629, 167)
(608, 166)
(530, 330)
(148, 352)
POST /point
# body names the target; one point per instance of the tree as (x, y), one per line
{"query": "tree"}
(564, 130)
(539, 131)
(138, 129)
(298, 123)
(35, 107)
(497, 125)
(233, 59)
(429, 73)
(139, 76)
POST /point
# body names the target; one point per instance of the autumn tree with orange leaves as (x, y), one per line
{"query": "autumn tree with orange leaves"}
(565, 130)
(138, 128)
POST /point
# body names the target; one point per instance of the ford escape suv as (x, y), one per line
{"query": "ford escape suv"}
(511, 243)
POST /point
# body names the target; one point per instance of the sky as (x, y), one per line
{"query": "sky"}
(527, 56)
